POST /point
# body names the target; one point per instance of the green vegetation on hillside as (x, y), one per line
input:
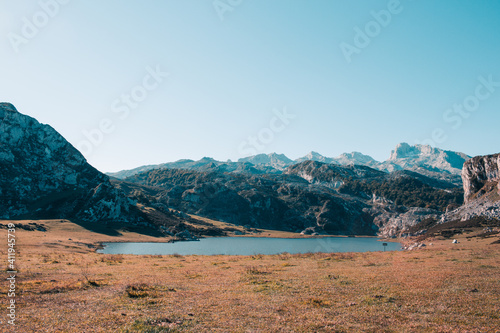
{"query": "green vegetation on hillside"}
(405, 191)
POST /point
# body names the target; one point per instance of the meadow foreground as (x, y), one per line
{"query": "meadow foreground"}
(63, 285)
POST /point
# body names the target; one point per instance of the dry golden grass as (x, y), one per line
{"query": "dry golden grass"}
(64, 286)
(263, 233)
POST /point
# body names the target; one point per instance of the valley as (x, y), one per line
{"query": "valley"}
(442, 206)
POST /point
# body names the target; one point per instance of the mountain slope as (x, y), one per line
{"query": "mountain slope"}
(43, 176)
(283, 202)
(406, 188)
(204, 164)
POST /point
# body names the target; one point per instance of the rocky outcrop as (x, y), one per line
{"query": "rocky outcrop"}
(481, 179)
(481, 175)
(482, 207)
(394, 221)
(43, 176)
(331, 175)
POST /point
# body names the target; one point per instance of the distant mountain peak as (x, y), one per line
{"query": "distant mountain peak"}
(314, 153)
(275, 160)
(356, 158)
(425, 159)
(404, 150)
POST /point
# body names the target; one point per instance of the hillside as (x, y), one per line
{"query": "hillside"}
(43, 176)
(283, 202)
(310, 197)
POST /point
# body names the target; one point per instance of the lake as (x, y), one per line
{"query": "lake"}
(252, 245)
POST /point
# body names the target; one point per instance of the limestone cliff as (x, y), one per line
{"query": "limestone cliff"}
(481, 175)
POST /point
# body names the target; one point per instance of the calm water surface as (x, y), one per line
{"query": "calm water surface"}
(252, 245)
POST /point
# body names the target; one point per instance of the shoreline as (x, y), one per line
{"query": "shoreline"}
(71, 234)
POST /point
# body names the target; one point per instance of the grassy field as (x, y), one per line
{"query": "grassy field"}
(62, 285)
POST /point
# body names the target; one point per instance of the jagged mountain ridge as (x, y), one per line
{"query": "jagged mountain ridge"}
(204, 164)
(432, 162)
(276, 161)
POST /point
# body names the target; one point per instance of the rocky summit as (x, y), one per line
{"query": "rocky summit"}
(43, 176)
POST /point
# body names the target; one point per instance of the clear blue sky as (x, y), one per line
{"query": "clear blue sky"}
(232, 64)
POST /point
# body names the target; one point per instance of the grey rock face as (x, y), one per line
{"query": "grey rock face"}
(481, 179)
(479, 172)
(393, 221)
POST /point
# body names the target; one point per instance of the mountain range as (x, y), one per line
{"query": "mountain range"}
(426, 160)
(42, 176)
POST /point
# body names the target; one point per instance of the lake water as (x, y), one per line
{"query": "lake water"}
(252, 245)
